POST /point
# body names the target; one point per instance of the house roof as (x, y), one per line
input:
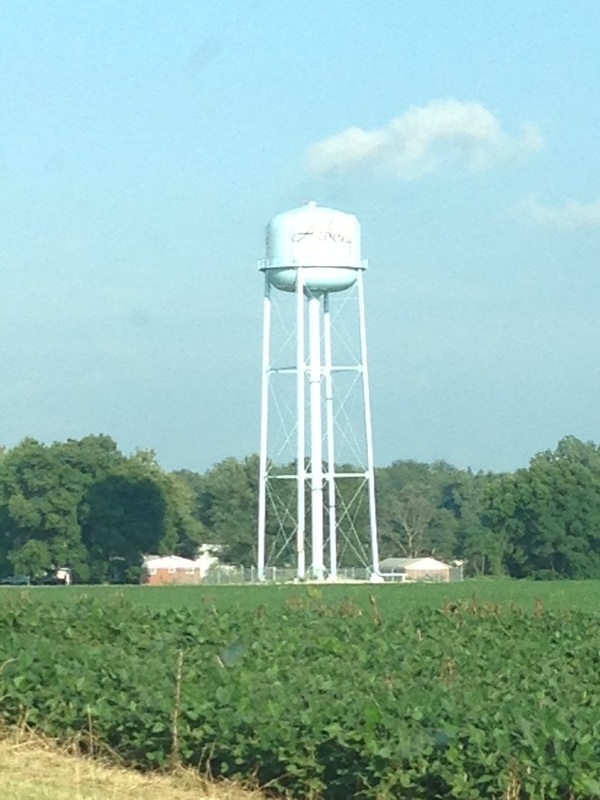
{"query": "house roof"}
(424, 563)
(170, 562)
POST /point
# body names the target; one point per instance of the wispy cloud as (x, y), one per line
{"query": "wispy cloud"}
(425, 138)
(568, 217)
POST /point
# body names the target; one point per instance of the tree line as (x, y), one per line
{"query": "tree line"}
(85, 505)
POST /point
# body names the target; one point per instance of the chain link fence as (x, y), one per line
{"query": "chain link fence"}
(229, 575)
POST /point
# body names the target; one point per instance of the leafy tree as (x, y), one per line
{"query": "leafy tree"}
(474, 543)
(227, 507)
(441, 540)
(123, 517)
(408, 516)
(40, 489)
(84, 505)
(32, 559)
(549, 513)
(137, 509)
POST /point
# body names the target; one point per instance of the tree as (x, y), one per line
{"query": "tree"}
(408, 515)
(227, 507)
(474, 544)
(32, 559)
(136, 510)
(549, 513)
(40, 490)
(441, 539)
(84, 505)
(123, 517)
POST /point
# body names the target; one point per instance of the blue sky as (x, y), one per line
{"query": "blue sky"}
(144, 146)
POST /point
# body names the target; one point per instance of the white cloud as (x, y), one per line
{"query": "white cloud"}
(571, 216)
(424, 138)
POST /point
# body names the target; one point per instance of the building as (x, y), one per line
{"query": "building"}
(415, 569)
(162, 570)
(63, 576)
(170, 570)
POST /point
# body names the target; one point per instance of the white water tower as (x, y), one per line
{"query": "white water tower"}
(314, 502)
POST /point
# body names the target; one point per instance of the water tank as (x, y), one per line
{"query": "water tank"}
(325, 241)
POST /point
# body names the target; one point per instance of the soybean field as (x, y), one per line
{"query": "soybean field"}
(486, 690)
(525, 594)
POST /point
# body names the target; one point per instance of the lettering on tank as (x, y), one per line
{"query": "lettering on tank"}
(322, 235)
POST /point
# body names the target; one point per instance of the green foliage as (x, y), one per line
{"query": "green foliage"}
(410, 513)
(422, 509)
(320, 699)
(432, 509)
(227, 506)
(546, 519)
(84, 505)
(390, 598)
(33, 559)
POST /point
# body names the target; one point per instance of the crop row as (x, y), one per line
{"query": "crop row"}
(314, 700)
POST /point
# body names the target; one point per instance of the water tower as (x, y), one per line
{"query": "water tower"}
(316, 507)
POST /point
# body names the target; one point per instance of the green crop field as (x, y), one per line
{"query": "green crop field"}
(554, 595)
(485, 689)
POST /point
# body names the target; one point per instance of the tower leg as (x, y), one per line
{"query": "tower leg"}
(316, 443)
(368, 425)
(330, 477)
(264, 431)
(301, 429)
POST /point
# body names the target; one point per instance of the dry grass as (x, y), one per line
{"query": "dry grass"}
(35, 769)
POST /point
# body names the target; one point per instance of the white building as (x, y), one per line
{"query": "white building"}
(415, 569)
(172, 569)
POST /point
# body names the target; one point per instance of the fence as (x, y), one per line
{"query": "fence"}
(226, 575)
(238, 575)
